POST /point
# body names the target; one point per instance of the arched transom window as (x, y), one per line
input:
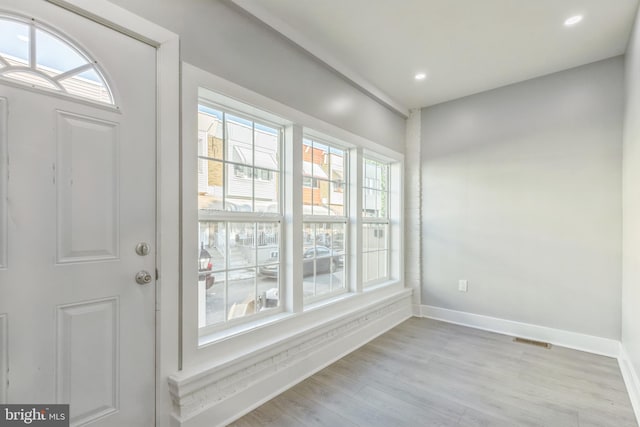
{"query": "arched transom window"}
(35, 56)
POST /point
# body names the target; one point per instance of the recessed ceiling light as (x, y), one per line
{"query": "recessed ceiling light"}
(22, 38)
(570, 22)
(420, 76)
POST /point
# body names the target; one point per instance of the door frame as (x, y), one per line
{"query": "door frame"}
(168, 141)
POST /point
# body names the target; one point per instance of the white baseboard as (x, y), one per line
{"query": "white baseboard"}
(562, 338)
(631, 380)
(216, 401)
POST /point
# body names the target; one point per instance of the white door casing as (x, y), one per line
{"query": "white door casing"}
(81, 195)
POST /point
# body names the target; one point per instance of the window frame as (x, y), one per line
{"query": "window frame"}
(228, 323)
(330, 219)
(228, 216)
(197, 349)
(377, 220)
(234, 164)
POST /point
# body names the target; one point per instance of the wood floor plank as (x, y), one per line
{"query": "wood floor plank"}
(591, 418)
(473, 418)
(294, 402)
(268, 416)
(430, 373)
(355, 407)
(409, 411)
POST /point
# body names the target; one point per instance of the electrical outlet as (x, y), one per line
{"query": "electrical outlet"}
(462, 285)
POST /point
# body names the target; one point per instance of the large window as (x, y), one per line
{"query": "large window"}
(285, 219)
(375, 221)
(239, 216)
(324, 257)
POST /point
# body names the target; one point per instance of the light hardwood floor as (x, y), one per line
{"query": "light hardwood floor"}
(429, 373)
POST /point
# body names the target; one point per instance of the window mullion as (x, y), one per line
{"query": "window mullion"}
(395, 212)
(225, 147)
(377, 228)
(329, 177)
(293, 292)
(355, 215)
(256, 264)
(253, 165)
(227, 264)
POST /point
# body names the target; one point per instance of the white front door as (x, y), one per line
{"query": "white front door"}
(75, 326)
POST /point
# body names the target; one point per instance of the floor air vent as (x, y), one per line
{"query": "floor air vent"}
(532, 342)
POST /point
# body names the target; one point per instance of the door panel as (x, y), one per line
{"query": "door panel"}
(87, 353)
(87, 188)
(81, 196)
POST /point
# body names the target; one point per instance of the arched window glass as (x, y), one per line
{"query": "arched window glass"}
(37, 57)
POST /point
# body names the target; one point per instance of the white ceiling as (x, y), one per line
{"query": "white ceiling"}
(465, 46)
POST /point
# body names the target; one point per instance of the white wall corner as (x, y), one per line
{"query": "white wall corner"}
(574, 340)
(222, 394)
(631, 380)
(4, 358)
(413, 203)
(416, 309)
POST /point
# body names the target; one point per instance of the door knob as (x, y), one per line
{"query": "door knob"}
(143, 278)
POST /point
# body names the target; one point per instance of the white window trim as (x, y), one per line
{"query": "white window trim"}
(311, 302)
(226, 161)
(208, 333)
(253, 335)
(386, 278)
(380, 220)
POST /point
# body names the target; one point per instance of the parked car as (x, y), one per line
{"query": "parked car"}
(271, 298)
(205, 269)
(207, 276)
(269, 270)
(326, 261)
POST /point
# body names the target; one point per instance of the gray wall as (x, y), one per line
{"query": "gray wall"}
(217, 37)
(522, 197)
(631, 205)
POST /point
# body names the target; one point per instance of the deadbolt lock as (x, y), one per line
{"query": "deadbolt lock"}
(143, 248)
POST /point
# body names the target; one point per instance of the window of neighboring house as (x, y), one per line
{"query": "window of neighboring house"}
(238, 171)
(247, 172)
(325, 228)
(239, 162)
(309, 182)
(35, 56)
(375, 221)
